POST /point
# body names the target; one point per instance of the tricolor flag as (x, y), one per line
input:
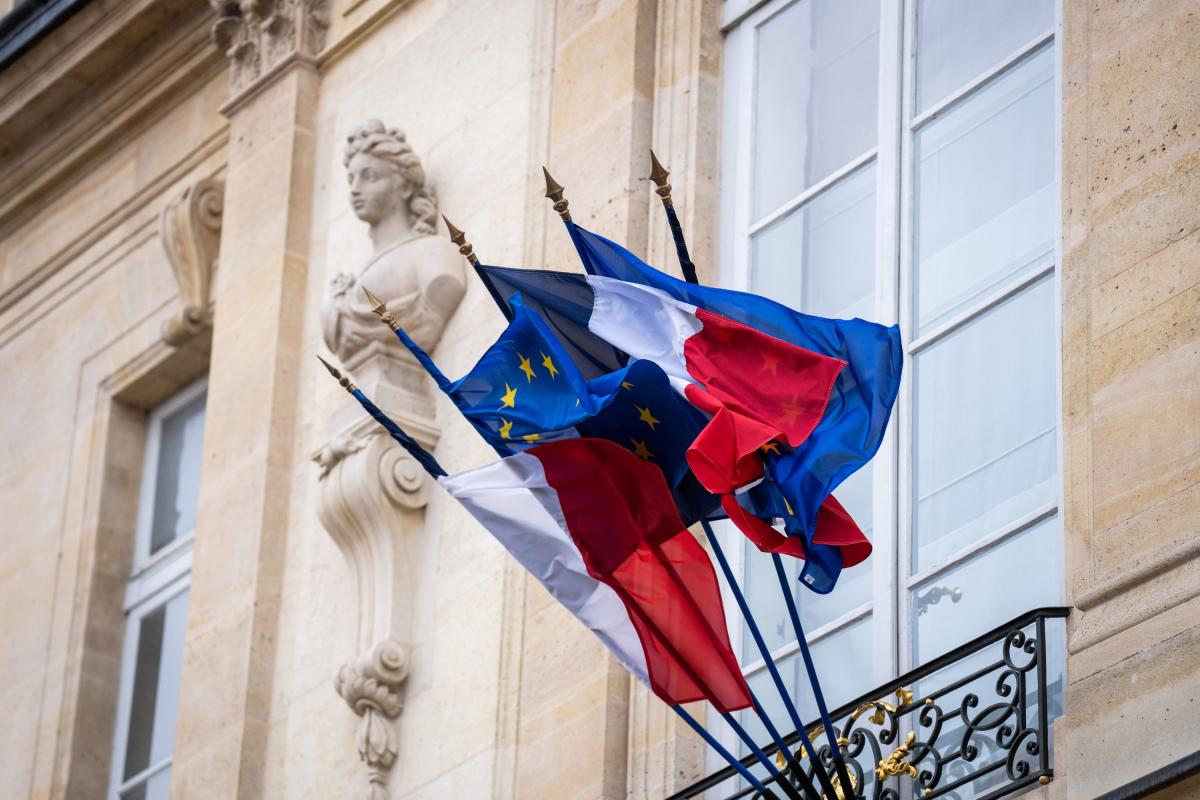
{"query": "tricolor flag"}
(596, 525)
(860, 405)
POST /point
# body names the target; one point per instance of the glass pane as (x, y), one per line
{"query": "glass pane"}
(985, 425)
(843, 664)
(178, 476)
(957, 41)
(985, 193)
(820, 258)
(1023, 573)
(155, 699)
(817, 95)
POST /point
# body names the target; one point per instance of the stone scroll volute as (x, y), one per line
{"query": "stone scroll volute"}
(372, 493)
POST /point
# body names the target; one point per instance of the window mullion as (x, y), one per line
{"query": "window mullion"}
(904, 403)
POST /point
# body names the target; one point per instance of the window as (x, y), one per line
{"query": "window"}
(896, 160)
(156, 600)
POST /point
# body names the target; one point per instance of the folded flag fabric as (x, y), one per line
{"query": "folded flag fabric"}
(596, 525)
(526, 390)
(852, 427)
(763, 395)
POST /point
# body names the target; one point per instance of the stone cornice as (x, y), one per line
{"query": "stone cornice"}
(50, 132)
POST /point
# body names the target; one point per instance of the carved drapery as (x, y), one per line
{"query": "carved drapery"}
(190, 227)
(257, 35)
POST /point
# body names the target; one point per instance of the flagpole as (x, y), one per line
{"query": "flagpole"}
(758, 709)
(459, 237)
(380, 309)
(818, 768)
(810, 667)
(414, 449)
(633, 607)
(729, 757)
(659, 175)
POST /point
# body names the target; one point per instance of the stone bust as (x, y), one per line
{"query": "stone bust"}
(419, 275)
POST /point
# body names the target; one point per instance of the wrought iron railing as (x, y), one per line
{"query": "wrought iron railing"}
(973, 724)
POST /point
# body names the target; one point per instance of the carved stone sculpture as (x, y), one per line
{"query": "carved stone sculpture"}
(371, 687)
(257, 35)
(190, 228)
(419, 275)
(372, 493)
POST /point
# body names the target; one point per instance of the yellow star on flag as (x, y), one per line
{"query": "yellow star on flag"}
(531, 437)
(526, 368)
(770, 447)
(645, 416)
(641, 451)
(626, 385)
(505, 428)
(509, 400)
(788, 506)
(549, 365)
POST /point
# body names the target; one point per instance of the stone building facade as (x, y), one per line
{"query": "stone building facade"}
(186, 208)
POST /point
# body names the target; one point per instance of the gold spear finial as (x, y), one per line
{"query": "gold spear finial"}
(342, 379)
(380, 309)
(554, 191)
(659, 174)
(460, 239)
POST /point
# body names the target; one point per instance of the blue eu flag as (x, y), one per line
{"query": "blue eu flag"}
(527, 389)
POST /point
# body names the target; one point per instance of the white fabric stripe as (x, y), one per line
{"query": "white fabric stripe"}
(513, 500)
(644, 322)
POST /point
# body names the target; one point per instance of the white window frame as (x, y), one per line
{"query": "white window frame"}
(890, 606)
(154, 581)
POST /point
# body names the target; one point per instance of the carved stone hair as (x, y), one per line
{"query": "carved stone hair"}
(390, 144)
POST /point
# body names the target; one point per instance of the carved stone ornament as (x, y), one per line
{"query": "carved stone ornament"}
(190, 227)
(371, 687)
(372, 492)
(257, 35)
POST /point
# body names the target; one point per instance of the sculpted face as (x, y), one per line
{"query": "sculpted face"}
(377, 189)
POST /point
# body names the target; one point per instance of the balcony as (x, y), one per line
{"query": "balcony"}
(973, 724)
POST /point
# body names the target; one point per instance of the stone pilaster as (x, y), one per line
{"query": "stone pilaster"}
(229, 655)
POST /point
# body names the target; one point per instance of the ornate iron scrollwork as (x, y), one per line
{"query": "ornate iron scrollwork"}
(977, 722)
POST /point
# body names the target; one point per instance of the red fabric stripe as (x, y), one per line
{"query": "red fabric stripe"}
(835, 527)
(759, 388)
(620, 514)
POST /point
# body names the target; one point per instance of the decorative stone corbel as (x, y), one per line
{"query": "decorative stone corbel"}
(372, 499)
(257, 35)
(190, 227)
(371, 687)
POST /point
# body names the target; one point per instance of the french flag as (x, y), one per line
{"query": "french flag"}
(599, 530)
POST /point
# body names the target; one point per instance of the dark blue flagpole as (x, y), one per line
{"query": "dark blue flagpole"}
(414, 449)
(659, 175)
(380, 309)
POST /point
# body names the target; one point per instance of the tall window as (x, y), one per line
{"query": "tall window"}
(156, 600)
(896, 160)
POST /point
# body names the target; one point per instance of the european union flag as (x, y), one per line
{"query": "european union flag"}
(526, 390)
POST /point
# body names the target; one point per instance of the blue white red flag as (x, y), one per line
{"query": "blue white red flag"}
(597, 527)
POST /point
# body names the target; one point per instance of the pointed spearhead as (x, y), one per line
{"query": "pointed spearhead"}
(459, 238)
(342, 379)
(659, 174)
(554, 191)
(380, 309)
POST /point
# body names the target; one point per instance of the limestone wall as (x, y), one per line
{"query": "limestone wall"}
(1131, 387)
